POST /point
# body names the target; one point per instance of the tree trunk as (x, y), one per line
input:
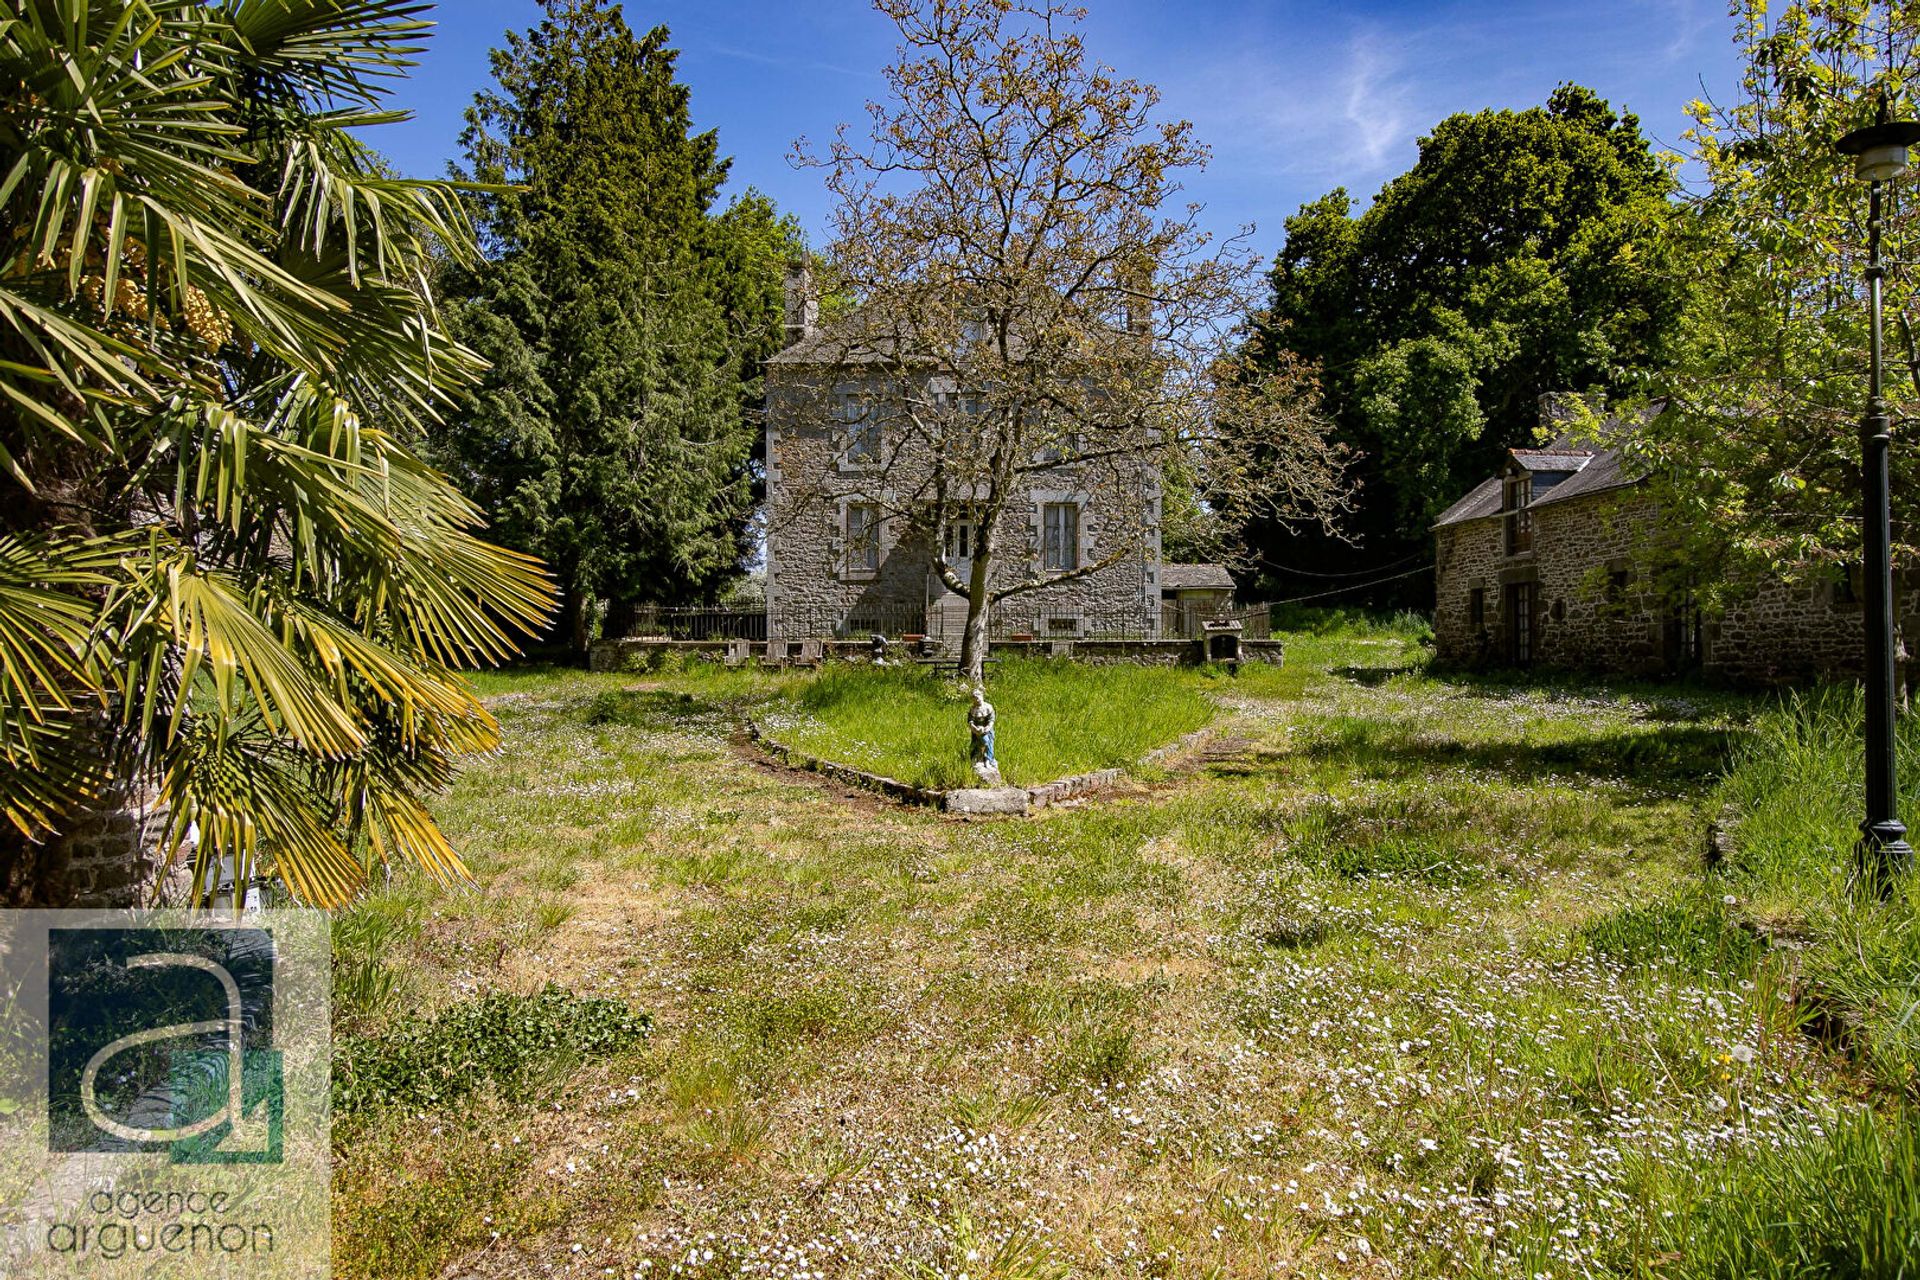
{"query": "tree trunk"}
(576, 613)
(973, 641)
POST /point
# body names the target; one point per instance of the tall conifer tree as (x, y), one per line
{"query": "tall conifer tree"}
(624, 318)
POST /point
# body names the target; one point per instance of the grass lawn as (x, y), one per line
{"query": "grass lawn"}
(1428, 981)
(1054, 718)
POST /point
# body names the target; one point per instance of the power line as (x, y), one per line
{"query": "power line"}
(1358, 586)
(1357, 573)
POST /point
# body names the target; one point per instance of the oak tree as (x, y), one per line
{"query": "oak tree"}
(1518, 256)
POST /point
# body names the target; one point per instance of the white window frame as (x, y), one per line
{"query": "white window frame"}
(957, 545)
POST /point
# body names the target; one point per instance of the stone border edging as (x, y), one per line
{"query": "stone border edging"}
(1072, 787)
(842, 772)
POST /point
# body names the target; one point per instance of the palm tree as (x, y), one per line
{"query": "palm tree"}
(223, 574)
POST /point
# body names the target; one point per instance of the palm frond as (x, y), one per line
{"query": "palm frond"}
(48, 608)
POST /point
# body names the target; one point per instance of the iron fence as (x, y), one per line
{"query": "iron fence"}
(661, 622)
(1010, 620)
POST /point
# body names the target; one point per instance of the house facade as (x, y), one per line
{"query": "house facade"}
(1557, 561)
(850, 552)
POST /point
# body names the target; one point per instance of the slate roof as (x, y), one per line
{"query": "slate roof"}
(1584, 466)
(1552, 459)
(860, 338)
(1195, 577)
(1482, 500)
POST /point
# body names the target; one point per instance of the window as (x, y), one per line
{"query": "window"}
(1617, 583)
(1060, 537)
(1477, 607)
(863, 538)
(959, 541)
(862, 428)
(1520, 624)
(1515, 496)
(1848, 585)
(1065, 447)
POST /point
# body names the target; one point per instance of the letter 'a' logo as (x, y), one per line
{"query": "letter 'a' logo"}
(156, 1039)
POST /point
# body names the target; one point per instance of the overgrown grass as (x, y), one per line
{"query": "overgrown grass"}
(1423, 978)
(1836, 1202)
(1346, 623)
(1796, 792)
(1055, 718)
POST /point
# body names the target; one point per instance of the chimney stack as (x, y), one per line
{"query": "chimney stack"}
(802, 304)
(1560, 409)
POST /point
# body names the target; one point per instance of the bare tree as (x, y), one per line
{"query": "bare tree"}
(1027, 299)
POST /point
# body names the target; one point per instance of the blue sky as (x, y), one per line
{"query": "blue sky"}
(1294, 97)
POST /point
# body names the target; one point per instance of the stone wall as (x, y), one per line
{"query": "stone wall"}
(1597, 607)
(810, 587)
(640, 654)
(106, 855)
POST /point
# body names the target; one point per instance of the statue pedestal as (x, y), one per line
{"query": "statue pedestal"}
(987, 800)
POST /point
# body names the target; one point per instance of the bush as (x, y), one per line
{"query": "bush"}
(518, 1044)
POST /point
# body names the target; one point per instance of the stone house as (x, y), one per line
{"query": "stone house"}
(1557, 561)
(847, 552)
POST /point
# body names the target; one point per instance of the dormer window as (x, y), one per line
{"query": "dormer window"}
(1516, 496)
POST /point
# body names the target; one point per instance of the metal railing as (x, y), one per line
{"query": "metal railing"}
(1015, 619)
(717, 623)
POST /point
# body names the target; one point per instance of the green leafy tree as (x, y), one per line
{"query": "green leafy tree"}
(221, 575)
(1518, 256)
(1757, 455)
(624, 319)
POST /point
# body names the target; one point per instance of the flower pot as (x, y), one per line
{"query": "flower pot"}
(1021, 637)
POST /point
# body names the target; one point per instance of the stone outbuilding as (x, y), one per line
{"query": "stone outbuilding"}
(1559, 561)
(1191, 594)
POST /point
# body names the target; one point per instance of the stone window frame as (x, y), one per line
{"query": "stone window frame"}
(870, 428)
(843, 539)
(1082, 540)
(1846, 591)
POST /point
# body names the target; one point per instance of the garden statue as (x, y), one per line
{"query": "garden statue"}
(980, 722)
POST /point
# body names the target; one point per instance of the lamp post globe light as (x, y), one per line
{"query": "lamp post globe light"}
(1880, 156)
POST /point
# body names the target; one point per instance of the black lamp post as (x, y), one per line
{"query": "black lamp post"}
(1880, 155)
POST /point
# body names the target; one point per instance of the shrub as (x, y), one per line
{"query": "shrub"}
(519, 1044)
